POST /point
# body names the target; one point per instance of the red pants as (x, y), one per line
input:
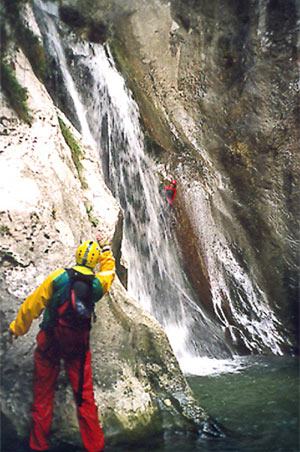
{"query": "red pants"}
(71, 346)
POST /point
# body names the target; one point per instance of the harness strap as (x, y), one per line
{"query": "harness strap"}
(78, 395)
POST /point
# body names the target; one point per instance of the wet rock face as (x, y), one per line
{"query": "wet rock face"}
(249, 109)
(223, 77)
(246, 104)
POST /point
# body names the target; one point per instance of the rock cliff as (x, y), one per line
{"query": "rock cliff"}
(217, 86)
(48, 206)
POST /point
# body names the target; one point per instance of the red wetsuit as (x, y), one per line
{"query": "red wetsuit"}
(171, 193)
(72, 346)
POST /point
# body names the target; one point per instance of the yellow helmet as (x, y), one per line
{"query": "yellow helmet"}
(88, 254)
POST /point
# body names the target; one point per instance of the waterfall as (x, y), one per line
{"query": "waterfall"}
(109, 117)
(109, 120)
(155, 277)
(55, 48)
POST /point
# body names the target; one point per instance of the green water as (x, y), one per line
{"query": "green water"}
(256, 400)
(259, 404)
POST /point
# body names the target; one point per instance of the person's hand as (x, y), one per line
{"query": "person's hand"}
(11, 336)
(102, 240)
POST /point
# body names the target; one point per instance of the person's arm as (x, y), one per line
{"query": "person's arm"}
(33, 306)
(107, 272)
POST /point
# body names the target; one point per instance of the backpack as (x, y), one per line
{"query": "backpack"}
(73, 300)
(75, 306)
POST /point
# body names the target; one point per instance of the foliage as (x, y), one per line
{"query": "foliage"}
(77, 153)
(16, 94)
(34, 51)
(92, 219)
(14, 31)
(25, 38)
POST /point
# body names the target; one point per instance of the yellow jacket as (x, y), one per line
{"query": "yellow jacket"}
(41, 297)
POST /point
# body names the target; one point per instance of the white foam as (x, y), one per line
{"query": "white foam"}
(203, 366)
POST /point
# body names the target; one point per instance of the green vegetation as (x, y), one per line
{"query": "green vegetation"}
(34, 51)
(92, 219)
(14, 32)
(77, 153)
(24, 37)
(16, 94)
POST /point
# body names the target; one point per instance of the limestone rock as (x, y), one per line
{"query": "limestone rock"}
(45, 213)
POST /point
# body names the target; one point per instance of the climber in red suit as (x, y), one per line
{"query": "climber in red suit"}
(171, 192)
(67, 298)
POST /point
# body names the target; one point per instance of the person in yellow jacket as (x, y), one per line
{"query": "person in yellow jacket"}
(67, 298)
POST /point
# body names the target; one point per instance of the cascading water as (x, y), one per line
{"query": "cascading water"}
(248, 305)
(155, 277)
(109, 119)
(55, 48)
